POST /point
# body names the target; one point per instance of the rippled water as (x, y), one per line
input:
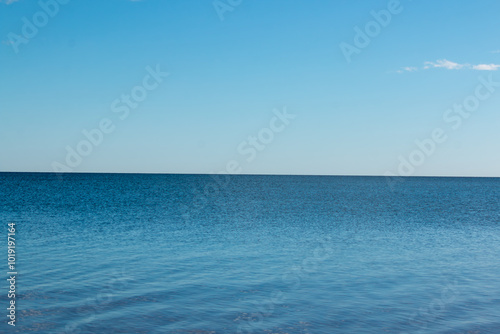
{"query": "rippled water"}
(111, 253)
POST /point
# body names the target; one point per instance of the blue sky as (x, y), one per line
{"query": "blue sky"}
(233, 66)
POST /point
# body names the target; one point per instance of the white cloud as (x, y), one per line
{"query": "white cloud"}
(495, 51)
(449, 65)
(410, 68)
(407, 69)
(8, 2)
(486, 67)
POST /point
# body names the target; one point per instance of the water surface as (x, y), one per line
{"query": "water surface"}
(132, 253)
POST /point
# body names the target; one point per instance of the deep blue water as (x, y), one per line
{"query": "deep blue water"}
(111, 253)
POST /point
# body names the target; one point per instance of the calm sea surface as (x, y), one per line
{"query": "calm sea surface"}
(118, 253)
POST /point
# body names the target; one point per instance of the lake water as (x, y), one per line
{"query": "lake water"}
(132, 253)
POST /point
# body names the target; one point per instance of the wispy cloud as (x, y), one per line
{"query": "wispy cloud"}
(444, 63)
(495, 51)
(450, 65)
(486, 67)
(407, 69)
(8, 2)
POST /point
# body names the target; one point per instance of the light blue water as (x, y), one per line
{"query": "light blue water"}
(109, 253)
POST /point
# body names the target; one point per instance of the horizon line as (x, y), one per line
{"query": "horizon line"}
(250, 174)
